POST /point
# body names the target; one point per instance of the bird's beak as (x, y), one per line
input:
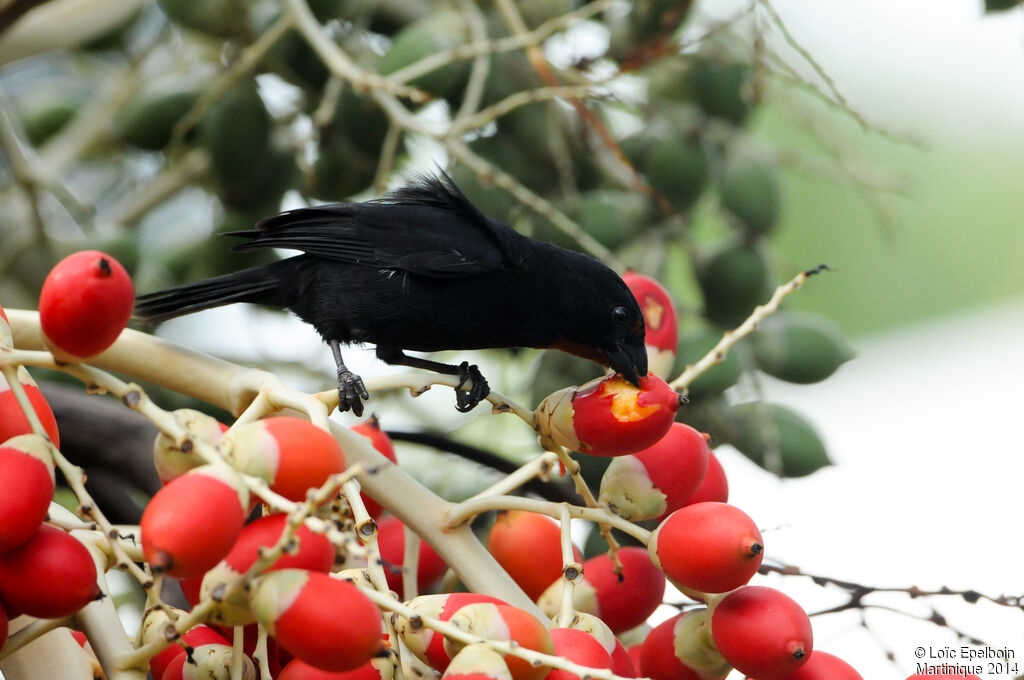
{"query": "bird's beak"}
(630, 362)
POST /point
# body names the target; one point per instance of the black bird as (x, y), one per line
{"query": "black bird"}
(424, 269)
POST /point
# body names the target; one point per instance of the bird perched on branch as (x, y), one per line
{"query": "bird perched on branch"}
(425, 270)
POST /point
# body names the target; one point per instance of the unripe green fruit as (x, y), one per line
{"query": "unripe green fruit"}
(611, 216)
(800, 347)
(669, 79)
(434, 33)
(750, 192)
(734, 280)
(214, 17)
(719, 89)
(236, 133)
(492, 200)
(148, 118)
(676, 166)
(1001, 5)
(777, 439)
(47, 107)
(693, 346)
(340, 171)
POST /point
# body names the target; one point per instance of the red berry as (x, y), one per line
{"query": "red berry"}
(504, 622)
(635, 652)
(194, 637)
(26, 488)
(291, 454)
(708, 547)
(622, 602)
(12, 419)
(324, 621)
(661, 330)
(762, 632)
(622, 665)
(50, 576)
(529, 547)
(715, 486)
(659, 658)
(314, 553)
(205, 662)
(376, 669)
(613, 418)
(3, 616)
(659, 479)
(191, 524)
(84, 305)
(381, 442)
(824, 666)
(608, 416)
(579, 647)
(391, 542)
(424, 642)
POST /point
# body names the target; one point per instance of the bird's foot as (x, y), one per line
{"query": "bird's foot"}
(351, 392)
(478, 389)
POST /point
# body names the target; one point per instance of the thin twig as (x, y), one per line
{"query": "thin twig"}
(717, 353)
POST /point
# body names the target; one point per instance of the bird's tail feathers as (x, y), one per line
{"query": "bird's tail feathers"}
(258, 285)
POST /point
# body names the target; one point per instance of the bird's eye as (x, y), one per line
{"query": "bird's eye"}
(620, 315)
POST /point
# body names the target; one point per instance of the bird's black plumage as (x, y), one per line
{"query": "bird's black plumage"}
(425, 270)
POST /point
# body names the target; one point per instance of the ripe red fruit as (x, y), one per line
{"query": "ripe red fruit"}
(715, 486)
(391, 542)
(50, 576)
(529, 547)
(659, 654)
(609, 416)
(291, 454)
(314, 553)
(661, 330)
(191, 524)
(84, 305)
(621, 602)
(324, 621)
(12, 419)
(26, 488)
(206, 662)
(762, 632)
(708, 547)
(170, 460)
(578, 647)
(622, 664)
(297, 669)
(194, 637)
(659, 479)
(824, 666)
(381, 442)
(3, 617)
(424, 642)
(504, 622)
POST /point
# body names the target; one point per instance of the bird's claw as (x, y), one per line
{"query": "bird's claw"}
(351, 392)
(478, 390)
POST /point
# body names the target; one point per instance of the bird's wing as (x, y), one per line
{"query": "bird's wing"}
(429, 228)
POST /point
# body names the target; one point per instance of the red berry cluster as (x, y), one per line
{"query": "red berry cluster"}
(278, 575)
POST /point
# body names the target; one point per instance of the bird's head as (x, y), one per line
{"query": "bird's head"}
(626, 352)
(607, 326)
